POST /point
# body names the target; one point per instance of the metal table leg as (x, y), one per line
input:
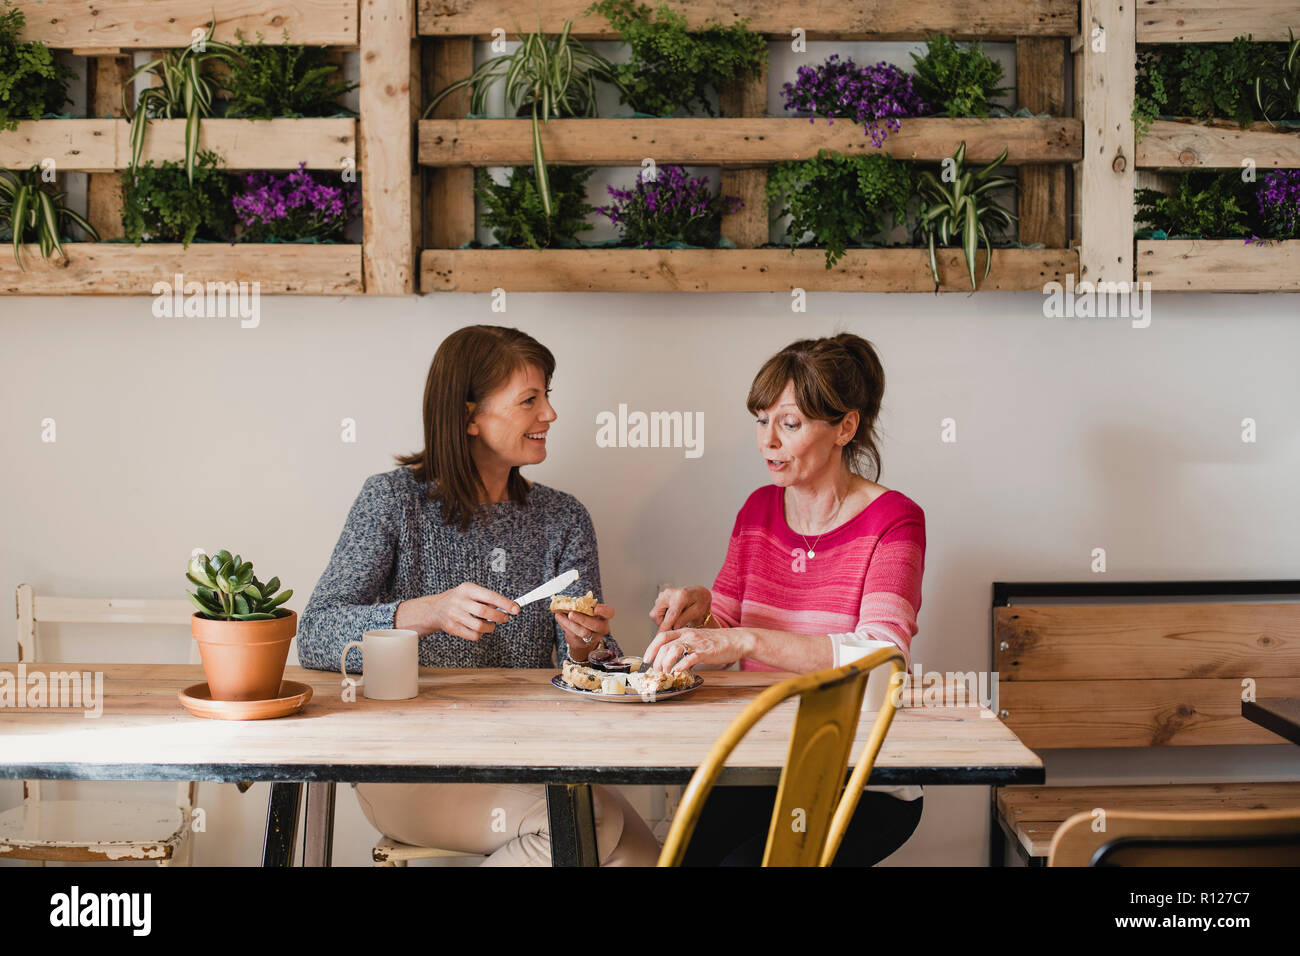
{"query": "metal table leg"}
(573, 825)
(281, 824)
(318, 827)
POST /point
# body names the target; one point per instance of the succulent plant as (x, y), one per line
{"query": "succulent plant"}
(229, 591)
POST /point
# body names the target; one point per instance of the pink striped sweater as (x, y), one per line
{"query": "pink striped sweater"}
(865, 580)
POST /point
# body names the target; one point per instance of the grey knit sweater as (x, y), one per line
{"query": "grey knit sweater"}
(395, 547)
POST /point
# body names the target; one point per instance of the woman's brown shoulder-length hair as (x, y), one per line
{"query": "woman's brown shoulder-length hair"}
(469, 365)
(832, 376)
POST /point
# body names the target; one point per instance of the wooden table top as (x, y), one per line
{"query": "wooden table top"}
(474, 725)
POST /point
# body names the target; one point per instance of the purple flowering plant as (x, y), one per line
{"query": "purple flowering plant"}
(1279, 203)
(672, 207)
(870, 95)
(294, 206)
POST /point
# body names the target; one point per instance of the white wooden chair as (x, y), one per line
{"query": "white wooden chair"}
(96, 831)
(391, 853)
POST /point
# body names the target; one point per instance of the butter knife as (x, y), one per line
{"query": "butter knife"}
(553, 586)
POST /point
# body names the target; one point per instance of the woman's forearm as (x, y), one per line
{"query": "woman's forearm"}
(787, 651)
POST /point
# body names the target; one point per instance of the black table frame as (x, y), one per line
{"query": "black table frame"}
(568, 791)
(1257, 711)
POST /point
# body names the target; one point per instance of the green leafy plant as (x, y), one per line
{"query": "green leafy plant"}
(164, 204)
(1209, 204)
(1201, 80)
(186, 90)
(515, 213)
(1277, 88)
(544, 77)
(283, 80)
(32, 210)
(955, 80)
(958, 207)
(673, 68)
(31, 82)
(228, 590)
(840, 199)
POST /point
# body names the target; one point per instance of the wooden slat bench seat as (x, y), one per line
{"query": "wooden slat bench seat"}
(1168, 667)
(1031, 815)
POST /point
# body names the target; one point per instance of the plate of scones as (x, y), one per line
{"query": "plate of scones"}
(603, 676)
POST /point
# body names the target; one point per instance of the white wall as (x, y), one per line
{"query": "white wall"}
(1072, 434)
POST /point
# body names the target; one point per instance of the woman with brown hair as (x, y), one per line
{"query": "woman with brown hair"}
(821, 554)
(436, 546)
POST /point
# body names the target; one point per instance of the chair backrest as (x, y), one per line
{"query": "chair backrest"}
(1145, 838)
(830, 706)
(33, 609)
(1150, 672)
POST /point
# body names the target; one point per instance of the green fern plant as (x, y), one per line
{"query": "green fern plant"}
(283, 80)
(840, 199)
(31, 82)
(514, 211)
(33, 211)
(960, 207)
(958, 81)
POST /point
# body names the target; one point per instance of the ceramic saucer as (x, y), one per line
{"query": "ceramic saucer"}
(197, 699)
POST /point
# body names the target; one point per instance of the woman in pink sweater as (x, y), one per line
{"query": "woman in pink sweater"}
(821, 554)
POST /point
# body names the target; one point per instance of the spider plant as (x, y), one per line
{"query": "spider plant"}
(186, 90)
(962, 208)
(1284, 94)
(35, 213)
(551, 76)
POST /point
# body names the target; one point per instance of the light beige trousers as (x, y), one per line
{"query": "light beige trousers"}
(505, 822)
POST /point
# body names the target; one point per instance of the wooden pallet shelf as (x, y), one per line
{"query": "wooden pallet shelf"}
(107, 268)
(1220, 144)
(1215, 265)
(98, 28)
(378, 146)
(739, 141)
(732, 270)
(104, 145)
(846, 20)
(1208, 21)
(1218, 265)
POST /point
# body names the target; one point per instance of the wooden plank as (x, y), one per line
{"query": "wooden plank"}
(1220, 144)
(1136, 713)
(1040, 87)
(748, 227)
(89, 26)
(851, 20)
(97, 268)
(503, 718)
(105, 78)
(732, 270)
(103, 145)
(389, 58)
(1129, 642)
(1219, 265)
(1202, 21)
(449, 196)
(1023, 804)
(739, 141)
(1105, 178)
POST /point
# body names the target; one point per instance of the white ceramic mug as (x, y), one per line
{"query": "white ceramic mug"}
(390, 663)
(852, 649)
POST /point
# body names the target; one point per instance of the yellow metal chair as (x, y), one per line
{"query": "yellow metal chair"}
(1149, 838)
(830, 706)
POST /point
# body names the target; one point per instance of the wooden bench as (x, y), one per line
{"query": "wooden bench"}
(1168, 667)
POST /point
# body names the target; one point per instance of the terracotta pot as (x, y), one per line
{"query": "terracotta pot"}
(244, 660)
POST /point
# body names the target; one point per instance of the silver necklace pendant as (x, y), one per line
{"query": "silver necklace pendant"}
(812, 554)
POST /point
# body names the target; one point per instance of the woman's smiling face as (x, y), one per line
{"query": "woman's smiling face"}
(797, 448)
(508, 428)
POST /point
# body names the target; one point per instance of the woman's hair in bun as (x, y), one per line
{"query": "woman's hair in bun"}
(832, 376)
